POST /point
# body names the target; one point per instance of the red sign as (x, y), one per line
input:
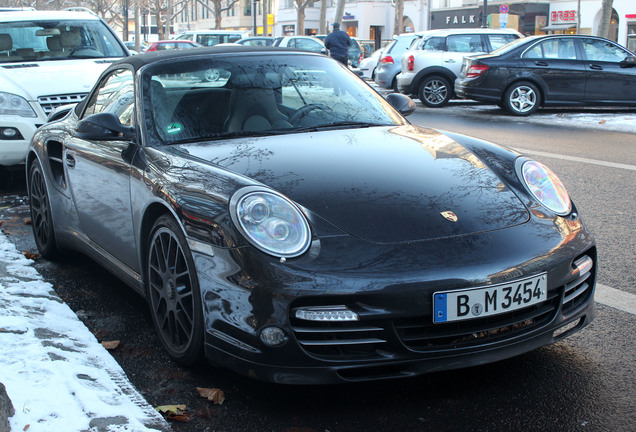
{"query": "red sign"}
(567, 16)
(503, 8)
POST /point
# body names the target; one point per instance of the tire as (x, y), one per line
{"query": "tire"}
(435, 91)
(522, 99)
(173, 292)
(41, 218)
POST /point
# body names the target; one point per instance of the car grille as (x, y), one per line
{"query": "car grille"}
(49, 103)
(339, 340)
(377, 338)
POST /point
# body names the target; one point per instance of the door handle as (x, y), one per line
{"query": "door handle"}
(449, 61)
(596, 67)
(70, 159)
(540, 63)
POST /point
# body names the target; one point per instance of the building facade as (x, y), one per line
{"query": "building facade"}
(374, 19)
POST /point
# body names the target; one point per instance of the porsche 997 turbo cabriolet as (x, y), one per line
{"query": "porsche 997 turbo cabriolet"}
(286, 221)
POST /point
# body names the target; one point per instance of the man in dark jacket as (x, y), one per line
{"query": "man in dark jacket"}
(338, 43)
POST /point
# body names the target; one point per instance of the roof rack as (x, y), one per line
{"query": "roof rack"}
(79, 9)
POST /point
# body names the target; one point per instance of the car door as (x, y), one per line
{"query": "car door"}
(458, 46)
(99, 172)
(607, 81)
(555, 63)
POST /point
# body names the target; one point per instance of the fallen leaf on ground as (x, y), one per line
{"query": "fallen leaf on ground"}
(30, 255)
(110, 345)
(174, 412)
(602, 122)
(212, 394)
(27, 221)
(26, 427)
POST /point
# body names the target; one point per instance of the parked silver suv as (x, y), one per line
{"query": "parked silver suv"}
(431, 65)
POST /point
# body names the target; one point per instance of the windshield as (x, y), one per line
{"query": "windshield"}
(56, 40)
(206, 98)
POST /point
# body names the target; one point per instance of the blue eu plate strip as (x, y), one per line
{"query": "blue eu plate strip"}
(440, 308)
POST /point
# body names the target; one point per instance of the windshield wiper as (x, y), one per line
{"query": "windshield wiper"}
(340, 125)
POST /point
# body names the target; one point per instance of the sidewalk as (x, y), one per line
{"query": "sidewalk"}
(57, 376)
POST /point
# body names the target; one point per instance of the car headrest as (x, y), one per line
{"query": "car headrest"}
(6, 43)
(54, 43)
(70, 39)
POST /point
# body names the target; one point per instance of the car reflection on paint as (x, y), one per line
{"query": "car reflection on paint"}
(286, 221)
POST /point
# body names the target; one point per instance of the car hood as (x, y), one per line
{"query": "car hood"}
(33, 79)
(381, 184)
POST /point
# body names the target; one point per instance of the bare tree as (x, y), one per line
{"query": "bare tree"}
(300, 15)
(217, 9)
(339, 12)
(606, 17)
(399, 16)
(323, 17)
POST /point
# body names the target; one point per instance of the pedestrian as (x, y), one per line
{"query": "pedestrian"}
(338, 43)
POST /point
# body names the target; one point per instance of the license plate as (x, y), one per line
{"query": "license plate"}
(491, 300)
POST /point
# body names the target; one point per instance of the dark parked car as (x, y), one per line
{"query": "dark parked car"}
(550, 71)
(298, 237)
(166, 45)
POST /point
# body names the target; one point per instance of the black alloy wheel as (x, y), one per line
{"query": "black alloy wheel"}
(435, 91)
(522, 99)
(173, 292)
(41, 219)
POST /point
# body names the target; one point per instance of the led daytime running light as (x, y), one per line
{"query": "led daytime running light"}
(326, 313)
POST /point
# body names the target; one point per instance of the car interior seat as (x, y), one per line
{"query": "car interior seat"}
(69, 40)
(253, 103)
(54, 44)
(6, 45)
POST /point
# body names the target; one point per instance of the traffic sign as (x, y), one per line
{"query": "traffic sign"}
(503, 9)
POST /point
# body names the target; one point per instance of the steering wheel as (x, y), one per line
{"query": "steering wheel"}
(305, 109)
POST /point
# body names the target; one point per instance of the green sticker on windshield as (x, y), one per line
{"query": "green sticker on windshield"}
(174, 128)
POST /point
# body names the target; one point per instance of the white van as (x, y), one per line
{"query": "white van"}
(47, 59)
(212, 37)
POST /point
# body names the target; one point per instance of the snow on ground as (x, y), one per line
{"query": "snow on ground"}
(610, 119)
(57, 375)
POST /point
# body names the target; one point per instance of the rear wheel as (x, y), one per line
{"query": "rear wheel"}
(173, 292)
(435, 91)
(41, 219)
(522, 99)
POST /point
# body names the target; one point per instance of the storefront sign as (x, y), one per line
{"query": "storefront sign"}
(563, 16)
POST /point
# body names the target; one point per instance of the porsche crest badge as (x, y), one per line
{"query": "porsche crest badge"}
(449, 215)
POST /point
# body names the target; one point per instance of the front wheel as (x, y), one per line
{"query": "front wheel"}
(435, 91)
(41, 219)
(522, 99)
(173, 292)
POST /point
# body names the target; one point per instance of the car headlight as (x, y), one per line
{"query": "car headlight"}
(270, 222)
(11, 104)
(546, 187)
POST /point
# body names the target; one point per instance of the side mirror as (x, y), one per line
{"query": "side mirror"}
(628, 62)
(402, 103)
(324, 51)
(104, 127)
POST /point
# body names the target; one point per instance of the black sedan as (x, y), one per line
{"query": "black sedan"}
(554, 70)
(287, 222)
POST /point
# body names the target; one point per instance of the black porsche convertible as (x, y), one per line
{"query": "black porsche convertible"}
(285, 220)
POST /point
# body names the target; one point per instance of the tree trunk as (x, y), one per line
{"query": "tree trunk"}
(606, 17)
(339, 12)
(300, 20)
(323, 17)
(399, 17)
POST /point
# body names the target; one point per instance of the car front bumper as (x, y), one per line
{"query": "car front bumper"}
(13, 150)
(391, 289)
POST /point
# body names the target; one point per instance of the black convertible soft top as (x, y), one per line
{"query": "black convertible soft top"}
(138, 61)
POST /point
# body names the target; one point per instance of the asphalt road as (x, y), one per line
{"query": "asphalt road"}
(585, 383)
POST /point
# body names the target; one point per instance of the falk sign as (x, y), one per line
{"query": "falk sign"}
(456, 19)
